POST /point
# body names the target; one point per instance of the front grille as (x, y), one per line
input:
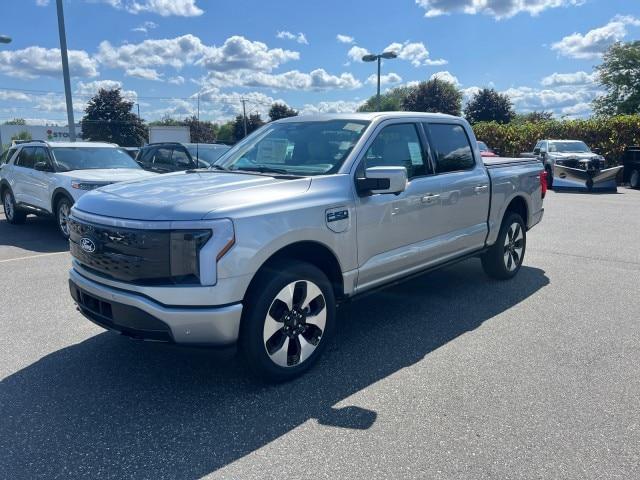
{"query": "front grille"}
(136, 256)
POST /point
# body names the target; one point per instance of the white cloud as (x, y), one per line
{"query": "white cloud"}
(42, 3)
(89, 89)
(165, 8)
(145, 27)
(386, 79)
(239, 53)
(345, 38)
(33, 62)
(300, 37)
(13, 95)
(563, 79)
(340, 106)
(143, 73)
(595, 42)
(177, 80)
(526, 99)
(447, 77)
(356, 53)
(414, 52)
(494, 8)
(318, 79)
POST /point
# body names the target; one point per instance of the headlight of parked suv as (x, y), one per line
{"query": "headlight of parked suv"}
(195, 253)
(86, 185)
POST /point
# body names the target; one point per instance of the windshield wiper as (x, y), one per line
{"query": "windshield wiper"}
(261, 169)
(218, 167)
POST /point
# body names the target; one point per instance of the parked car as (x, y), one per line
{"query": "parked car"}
(47, 178)
(631, 164)
(485, 151)
(570, 164)
(132, 151)
(174, 157)
(302, 215)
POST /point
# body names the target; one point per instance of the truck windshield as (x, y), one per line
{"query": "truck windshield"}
(91, 158)
(296, 148)
(565, 147)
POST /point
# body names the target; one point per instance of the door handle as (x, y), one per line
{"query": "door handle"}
(430, 198)
(481, 188)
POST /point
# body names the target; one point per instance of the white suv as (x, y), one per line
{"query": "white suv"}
(48, 178)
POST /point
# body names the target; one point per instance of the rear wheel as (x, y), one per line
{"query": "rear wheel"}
(11, 212)
(634, 179)
(504, 258)
(63, 209)
(288, 318)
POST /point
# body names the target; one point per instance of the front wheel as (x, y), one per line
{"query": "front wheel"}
(289, 316)
(63, 209)
(504, 259)
(11, 212)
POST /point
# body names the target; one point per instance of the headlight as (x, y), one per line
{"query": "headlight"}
(86, 185)
(195, 253)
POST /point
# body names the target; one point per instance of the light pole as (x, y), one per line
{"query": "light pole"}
(378, 58)
(3, 39)
(65, 72)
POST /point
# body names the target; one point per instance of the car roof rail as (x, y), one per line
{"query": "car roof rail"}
(20, 142)
(163, 143)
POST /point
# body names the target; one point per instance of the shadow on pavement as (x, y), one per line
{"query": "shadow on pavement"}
(37, 234)
(111, 407)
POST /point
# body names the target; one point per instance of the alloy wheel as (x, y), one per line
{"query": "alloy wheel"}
(513, 246)
(63, 218)
(8, 206)
(295, 323)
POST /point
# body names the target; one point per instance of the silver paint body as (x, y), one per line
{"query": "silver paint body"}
(385, 237)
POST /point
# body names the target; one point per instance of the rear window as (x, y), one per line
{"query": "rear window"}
(451, 148)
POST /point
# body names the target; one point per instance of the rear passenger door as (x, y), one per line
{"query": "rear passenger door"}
(465, 193)
(22, 169)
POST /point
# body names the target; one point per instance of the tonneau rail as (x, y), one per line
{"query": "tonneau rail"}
(496, 162)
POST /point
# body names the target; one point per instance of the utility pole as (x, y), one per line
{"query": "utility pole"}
(138, 106)
(65, 72)
(244, 116)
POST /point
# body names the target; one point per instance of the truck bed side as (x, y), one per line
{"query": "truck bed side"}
(513, 180)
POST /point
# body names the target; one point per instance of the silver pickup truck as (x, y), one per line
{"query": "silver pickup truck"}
(302, 215)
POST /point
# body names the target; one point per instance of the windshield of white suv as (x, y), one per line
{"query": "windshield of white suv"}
(566, 147)
(91, 158)
(207, 153)
(296, 148)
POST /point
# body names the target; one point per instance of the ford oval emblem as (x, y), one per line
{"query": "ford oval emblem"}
(87, 245)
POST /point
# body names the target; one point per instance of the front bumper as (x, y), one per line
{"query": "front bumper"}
(139, 317)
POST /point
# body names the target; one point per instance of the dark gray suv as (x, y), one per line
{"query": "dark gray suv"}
(168, 157)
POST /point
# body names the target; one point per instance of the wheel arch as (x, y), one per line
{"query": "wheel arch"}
(518, 204)
(313, 252)
(57, 194)
(4, 186)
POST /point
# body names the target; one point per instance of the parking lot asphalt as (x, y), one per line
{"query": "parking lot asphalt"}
(450, 375)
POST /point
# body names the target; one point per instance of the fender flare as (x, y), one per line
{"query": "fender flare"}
(59, 191)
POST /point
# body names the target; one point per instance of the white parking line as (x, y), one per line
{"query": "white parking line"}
(32, 256)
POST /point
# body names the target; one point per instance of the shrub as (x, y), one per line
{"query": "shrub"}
(610, 136)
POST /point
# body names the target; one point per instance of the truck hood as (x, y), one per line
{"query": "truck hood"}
(572, 155)
(108, 175)
(188, 196)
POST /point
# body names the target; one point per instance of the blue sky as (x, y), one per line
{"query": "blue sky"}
(163, 53)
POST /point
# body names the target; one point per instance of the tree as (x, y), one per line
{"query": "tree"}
(487, 105)
(390, 101)
(201, 131)
(24, 135)
(254, 122)
(16, 121)
(619, 74)
(108, 118)
(225, 132)
(532, 117)
(436, 95)
(280, 110)
(167, 121)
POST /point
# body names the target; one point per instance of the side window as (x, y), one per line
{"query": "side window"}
(162, 156)
(180, 159)
(145, 156)
(40, 155)
(398, 146)
(451, 147)
(6, 155)
(544, 146)
(26, 157)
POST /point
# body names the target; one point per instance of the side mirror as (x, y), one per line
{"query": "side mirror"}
(536, 151)
(42, 167)
(382, 180)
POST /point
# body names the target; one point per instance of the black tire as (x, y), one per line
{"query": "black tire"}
(262, 305)
(12, 213)
(63, 205)
(504, 259)
(634, 178)
(549, 178)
